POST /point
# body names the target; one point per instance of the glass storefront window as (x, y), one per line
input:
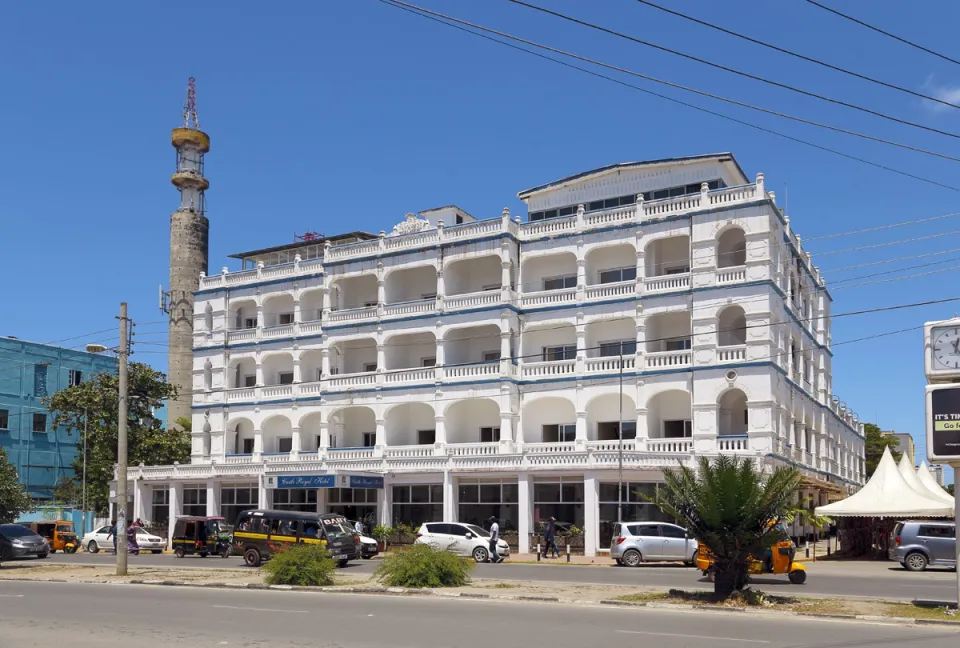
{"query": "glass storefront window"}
(194, 500)
(161, 506)
(236, 498)
(355, 504)
(295, 499)
(635, 507)
(479, 500)
(418, 503)
(562, 499)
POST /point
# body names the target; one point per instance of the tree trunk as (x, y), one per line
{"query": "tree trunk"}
(729, 576)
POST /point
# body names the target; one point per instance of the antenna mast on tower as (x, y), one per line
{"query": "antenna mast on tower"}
(190, 117)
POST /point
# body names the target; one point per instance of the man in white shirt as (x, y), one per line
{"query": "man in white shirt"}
(494, 540)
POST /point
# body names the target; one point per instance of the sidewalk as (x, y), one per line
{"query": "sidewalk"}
(603, 560)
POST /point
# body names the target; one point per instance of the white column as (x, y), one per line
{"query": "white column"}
(139, 505)
(581, 427)
(213, 500)
(176, 508)
(296, 441)
(381, 432)
(525, 514)
(264, 500)
(297, 375)
(257, 443)
(324, 360)
(591, 513)
(441, 352)
(324, 441)
(440, 431)
(381, 357)
(323, 495)
(449, 497)
(581, 330)
(260, 320)
(297, 313)
(385, 503)
(260, 382)
(441, 288)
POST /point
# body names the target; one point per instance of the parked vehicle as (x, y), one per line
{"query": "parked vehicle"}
(637, 542)
(17, 541)
(148, 541)
(261, 533)
(199, 536)
(98, 540)
(779, 561)
(368, 546)
(918, 544)
(461, 539)
(60, 534)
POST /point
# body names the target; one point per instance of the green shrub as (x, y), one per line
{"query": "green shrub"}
(382, 532)
(301, 564)
(423, 566)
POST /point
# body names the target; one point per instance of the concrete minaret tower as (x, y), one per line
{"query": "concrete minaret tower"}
(189, 251)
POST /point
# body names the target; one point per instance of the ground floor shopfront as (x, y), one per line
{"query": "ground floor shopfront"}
(587, 502)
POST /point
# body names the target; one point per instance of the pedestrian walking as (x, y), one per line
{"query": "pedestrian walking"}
(494, 540)
(359, 527)
(113, 533)
(138, 523)
(550, 535)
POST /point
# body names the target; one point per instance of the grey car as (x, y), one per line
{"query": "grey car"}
(917, 544)
(17, 541)
(637, 542)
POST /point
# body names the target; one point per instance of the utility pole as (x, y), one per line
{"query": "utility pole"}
(122, 449)
(83, 506)
(620, 448)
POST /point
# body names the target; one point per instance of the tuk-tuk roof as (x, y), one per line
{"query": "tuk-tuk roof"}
(290, 515)
(198, 518)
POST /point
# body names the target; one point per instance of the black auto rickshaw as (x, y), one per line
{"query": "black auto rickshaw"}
(201, 536)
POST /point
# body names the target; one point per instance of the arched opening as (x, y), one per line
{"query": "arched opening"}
(731, 248)
(611, 337)
(243, 373)
(604, 411)
(311, 365)
(473, 420)
(549, 272)
(353, 356)
(472, 344)
(243, 314)
(311, 305)
(611, 264)
(549, 420)
(732, 415)
(411, 424)
(277, 435)
(240, 436)
(353, 427)
(668, 332)
(667, 256)
(278, 310)
(669, 415)
(411, 284)
(411, 350)
(732, 327)
(549, 342)
(475, 274)
(278, 369)
(354, 292)
(310, 432)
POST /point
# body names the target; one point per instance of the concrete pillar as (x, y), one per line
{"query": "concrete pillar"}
(324, 441)
(381, 291)
(381, 432)
(322, 497)
(175, 504)
(440, 352)
(385, 503)
(441, 287)
(297, 375)
(324, 361)
(381, 357)
(591, 513)
(581, 427)
(139, 500)
(525, 511)
(449, 497)
(297, 313)
(260, 382)
(264, 497)
(213, 500)
(296, 441)
(257, 443)
(440, 431)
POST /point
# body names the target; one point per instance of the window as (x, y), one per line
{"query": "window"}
(195, 500)
(931, 531)
(333, 441)
(491, 356)
(608, 431)
(415, 504)
(672, 532)
(39, 423)
(284, 319)
(369, 439)
(370, 367)
(431, 295)
(428, 362)
(4, 419)
(479, 499)
(557, 283)
(559, 433)
(160, 506)
(426, 437)
(352, 495)
(40, 380)
(676, 270)
(677, 429)
(620, 274)
(368, 304)
(247, 446)
(677, 344)
(645, 530)
(620, 201)
(636, 508)
(562, 500)
(459, 220)
(74, 377)
(286, 377)
(626, 347)
(295, 499)
(235, 499)
(249, 381)
(489, 434)
(554, 353)
(284, 444)
(248, 323)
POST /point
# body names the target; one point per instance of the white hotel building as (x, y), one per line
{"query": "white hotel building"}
(475, 364)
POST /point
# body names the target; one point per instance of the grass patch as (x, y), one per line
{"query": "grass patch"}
(644, 597)
(423, 566)
(502, 586)
(301, 564)
(911, 611)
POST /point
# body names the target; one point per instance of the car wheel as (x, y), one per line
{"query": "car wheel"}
(481, 555)
(251, 557)
(915, 562)
(204, 554)
(366, 557)
(632, 558)
(179, 552)
(692, 562)
(798, 577)
(45, 554)
(156, 551)
(342, 563)
(619, 562)
(93, 547)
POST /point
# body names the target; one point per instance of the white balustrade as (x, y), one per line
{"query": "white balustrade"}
(673, 446)
(276, 391)
(343, 454)
(419, 375)
(276, 457)
(240, 335)
(548, 297)
(238, 459)
(547, 227)
(419, 239)
(343, 381)
(607, 217)
(546, 448)
(410, 307)
(408, 452)
(471, 371)
(610, 364)
(277, 271)
(606, 291)
(353, 314)
(733, 443)
(468, 230)
(310, 327)
(738, 194)
(285, 330)
(671, 206)
(352, 250)
(311, 388)
(471, 449)
(736, 274)
(236, 395)
(472, 300)
(629, 445)
(548, 369)
(667, 283)
(667, 359)
(732, 353)
(237, 278)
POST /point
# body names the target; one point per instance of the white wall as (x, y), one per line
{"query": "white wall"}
(407, 351)
(471, 275)
(608, 258)
(667, 253)
(403, 422)
(410, 284)
(535, 269)
(463, 419)
(545, 411)
(534, 339)
(666, 406)
(666, 325)
(349, 424)
(469, 344)
(609, 331)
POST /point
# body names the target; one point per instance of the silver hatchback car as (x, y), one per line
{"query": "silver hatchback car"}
(637, 542)
(918, 544)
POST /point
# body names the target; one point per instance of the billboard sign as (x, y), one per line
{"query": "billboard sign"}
(943, 423)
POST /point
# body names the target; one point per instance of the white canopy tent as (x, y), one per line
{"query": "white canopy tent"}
(923, 473)
(888, 494)
(909, 474)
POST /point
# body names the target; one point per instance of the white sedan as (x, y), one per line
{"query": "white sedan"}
(100, 540)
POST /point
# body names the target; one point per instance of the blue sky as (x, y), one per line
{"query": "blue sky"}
(343, 115)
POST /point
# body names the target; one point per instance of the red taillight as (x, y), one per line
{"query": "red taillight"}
(620, 539)
(419, 535)
(356, 538)
(898, 541)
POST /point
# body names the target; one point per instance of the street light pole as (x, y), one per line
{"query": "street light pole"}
(121, 528)
(620, 449)
(83, 505)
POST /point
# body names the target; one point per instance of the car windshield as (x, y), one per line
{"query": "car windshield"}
(337, 530)
(16, 531)
(64, 528)
(478, 531)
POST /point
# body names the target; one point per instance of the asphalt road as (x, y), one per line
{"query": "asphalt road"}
(868, 579)
(103, 616)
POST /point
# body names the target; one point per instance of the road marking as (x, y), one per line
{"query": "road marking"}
(253, 609)
(11, 595)
(687, 636)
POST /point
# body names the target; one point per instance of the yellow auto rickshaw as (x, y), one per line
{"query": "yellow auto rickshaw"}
(779, 561)
(60, 534)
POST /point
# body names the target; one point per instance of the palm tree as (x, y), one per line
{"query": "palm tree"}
(732, 509)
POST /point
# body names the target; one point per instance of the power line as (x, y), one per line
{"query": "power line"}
(725, 68)
(885, 33)
(887, 244)
(882, 227)
(885, 261)
(877, 274)
(431, 15)
(913, 276)
(809, 59)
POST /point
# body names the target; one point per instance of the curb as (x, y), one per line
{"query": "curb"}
(402, 591)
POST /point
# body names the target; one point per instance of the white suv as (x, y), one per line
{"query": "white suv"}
(461, 539)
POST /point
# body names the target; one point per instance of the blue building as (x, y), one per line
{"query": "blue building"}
(42, 454)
